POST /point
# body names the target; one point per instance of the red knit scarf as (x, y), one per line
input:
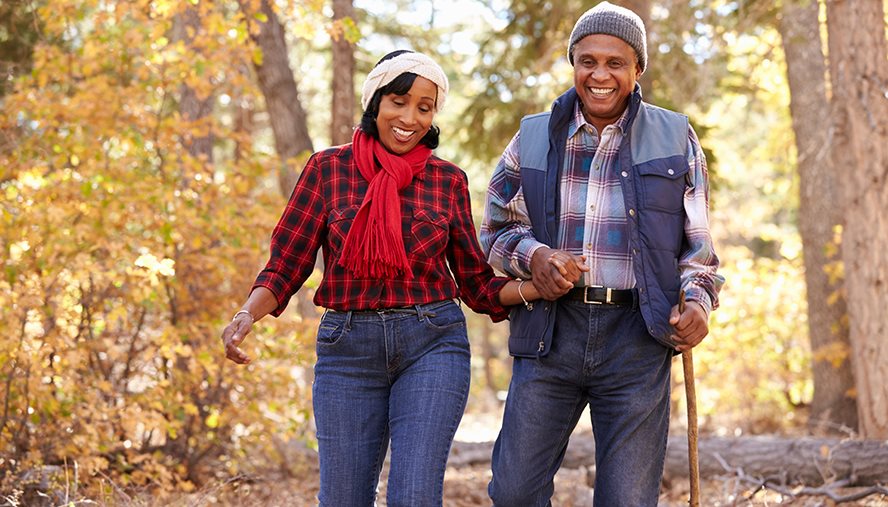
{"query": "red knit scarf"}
(374, 247)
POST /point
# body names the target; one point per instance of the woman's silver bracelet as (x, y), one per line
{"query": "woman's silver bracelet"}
(244, 312)
(527, 304)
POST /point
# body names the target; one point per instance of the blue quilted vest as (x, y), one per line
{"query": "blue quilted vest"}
(654, 154)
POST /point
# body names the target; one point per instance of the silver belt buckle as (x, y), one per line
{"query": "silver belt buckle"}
(607, 297)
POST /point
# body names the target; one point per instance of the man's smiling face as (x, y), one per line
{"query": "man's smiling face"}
(605, 70)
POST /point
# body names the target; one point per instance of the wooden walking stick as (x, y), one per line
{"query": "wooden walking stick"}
(687, 360)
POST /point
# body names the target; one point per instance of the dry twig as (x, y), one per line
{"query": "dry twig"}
(830, 490)
(231, 480)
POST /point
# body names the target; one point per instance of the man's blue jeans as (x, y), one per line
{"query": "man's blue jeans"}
(382, 375)
(601, 355)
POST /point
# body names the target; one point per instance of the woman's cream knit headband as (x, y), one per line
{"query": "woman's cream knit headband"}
(386, 71)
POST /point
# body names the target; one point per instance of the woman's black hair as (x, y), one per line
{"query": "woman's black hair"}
(399, 86)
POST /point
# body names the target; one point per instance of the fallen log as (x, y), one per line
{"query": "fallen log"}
(804, 460)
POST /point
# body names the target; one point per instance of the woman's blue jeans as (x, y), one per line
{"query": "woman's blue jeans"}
(603, 356)
(387, 375)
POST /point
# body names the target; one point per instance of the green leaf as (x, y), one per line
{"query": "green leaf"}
(350, 30)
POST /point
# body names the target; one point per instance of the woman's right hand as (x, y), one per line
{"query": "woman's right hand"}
(233, 335)
(260, 303)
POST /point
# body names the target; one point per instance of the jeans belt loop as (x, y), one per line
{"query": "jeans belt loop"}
(348, 320)
(418, 311)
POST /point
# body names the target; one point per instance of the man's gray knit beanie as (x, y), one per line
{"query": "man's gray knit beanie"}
(610, 19)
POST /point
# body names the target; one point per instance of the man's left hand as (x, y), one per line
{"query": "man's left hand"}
(691, 326)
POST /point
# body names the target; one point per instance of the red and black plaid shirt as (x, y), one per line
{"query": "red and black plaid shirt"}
(437, 229)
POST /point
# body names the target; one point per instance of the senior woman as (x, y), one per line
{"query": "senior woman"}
(395, 226)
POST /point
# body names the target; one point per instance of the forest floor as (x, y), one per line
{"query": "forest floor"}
(295, 484)
(466, 486)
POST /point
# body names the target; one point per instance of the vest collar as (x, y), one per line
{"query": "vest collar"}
(563, 109)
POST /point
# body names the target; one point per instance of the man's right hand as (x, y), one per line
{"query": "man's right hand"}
(555, 271)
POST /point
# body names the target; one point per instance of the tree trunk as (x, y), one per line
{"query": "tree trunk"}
(833, 406)
(857, 56)
(244, 125)
(195, 110)
(288, 120)
(793, 460)
(21, 28)
(343, 103)
(810, 461)
(489, 356)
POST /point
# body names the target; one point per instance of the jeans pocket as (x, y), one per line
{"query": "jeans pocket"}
(447, 320)
(444, 318)
(331, 331)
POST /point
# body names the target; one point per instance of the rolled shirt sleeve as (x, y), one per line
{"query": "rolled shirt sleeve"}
(478, 286)
(506, 235)
(698, 263)
(296, 239)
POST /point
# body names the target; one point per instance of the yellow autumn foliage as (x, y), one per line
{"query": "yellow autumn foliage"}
(123, 254)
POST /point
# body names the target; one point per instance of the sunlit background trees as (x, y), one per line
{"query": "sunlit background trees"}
(147, 148)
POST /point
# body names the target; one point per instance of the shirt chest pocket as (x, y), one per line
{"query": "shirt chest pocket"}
(663, 184)
(339, 222)
(426, 234)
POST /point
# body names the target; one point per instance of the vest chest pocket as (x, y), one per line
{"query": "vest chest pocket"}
(663, 184)
(339, 222)
(428, 234)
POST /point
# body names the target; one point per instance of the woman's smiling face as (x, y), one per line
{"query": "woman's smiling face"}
(403, 120)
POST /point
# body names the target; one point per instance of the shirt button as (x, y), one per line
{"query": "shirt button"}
(670, 171)
(624, 174)
(592, 207)
(635, 251)
(631, 212)
(589, 246)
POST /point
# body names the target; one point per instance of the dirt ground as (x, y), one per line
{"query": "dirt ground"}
(466, 486)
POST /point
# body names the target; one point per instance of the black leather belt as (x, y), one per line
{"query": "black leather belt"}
(420, 309)
(407, 309)
(595, 295)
